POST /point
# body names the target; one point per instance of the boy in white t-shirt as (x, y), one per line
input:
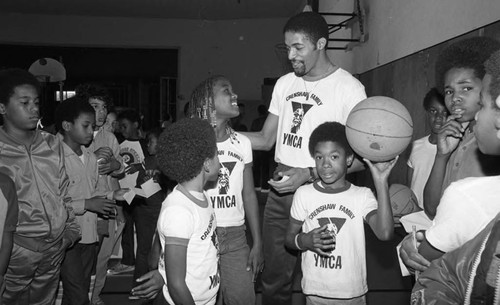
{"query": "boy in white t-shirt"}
(424, 149)
(327, 216)
(186, 226)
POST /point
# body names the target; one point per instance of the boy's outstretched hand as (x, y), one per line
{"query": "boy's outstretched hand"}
(101, 206)
(118, 194)
(381, 170)
(319, 241)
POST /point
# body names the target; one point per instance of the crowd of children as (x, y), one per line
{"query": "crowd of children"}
(66, 199)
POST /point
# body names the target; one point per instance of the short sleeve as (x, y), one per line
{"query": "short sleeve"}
(370, 203)
(298, 211)
(175, 223)
(247, 149)
(452, 225)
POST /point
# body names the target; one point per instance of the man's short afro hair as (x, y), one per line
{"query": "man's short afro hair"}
(468, 53)
(184, 146)
(329, 132)
(311, 24)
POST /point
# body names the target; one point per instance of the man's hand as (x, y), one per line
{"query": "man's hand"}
(409, 254)
(152, 283)
(133, 168)
(255, 262)
(319, 241)
(297, 177)
(57, 258)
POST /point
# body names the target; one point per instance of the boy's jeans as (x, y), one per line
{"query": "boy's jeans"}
(236, 286)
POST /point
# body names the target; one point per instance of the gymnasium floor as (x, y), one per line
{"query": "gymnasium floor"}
(386, 286)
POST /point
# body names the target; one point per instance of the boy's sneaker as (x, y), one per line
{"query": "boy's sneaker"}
(120, 268)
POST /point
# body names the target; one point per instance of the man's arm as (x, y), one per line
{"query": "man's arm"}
(264, 139)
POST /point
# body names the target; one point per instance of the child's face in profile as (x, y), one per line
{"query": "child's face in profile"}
(461, 93)
(152, 145)
(225, 100)
(436, 115)
(487, 129)
(21, 112)
(331, 163)
(214, 167)
(81, 131)
(101, 111)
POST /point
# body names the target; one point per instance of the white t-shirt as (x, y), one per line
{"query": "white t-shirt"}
(226, 197)
(421, 161)
(183, 220)
(302, 106)
(466, 207)
(343, 274)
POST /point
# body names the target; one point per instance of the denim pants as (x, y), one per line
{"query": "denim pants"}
(280, 262)
(236, 283)
(76, 270)
(30, 277)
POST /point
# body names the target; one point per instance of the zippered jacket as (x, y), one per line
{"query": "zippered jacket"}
(41, 182)
(468, 275)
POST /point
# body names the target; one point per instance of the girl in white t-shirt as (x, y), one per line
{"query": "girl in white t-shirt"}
(233, 195)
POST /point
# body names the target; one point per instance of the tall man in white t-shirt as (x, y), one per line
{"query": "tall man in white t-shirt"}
(316, 92)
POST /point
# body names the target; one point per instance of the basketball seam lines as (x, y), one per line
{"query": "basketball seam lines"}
(379, 135)
(404, 119)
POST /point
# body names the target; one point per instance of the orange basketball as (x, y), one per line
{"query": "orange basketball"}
(379, 128)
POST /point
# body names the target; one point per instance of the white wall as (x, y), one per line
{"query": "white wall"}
(243, 50)
(398, 28)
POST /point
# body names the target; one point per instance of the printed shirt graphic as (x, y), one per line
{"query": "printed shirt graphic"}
(131, 153)
(300, 111)
(181, 219)
(343, 273)
(226, 197)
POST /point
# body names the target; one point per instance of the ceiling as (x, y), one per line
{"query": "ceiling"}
(167, 9)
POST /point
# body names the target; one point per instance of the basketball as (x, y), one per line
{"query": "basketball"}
(403, 200)
(379, 128)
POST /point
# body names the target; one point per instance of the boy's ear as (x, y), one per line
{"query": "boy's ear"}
(66, 126)
(206, 165)
(2, 108)
(349, 160)
(321, 43)
(136, 125)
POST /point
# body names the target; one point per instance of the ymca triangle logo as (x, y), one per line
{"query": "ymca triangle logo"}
(334, 223)
(299, 111)
(224, 173)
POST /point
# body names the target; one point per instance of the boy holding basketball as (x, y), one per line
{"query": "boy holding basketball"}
(327, 216)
